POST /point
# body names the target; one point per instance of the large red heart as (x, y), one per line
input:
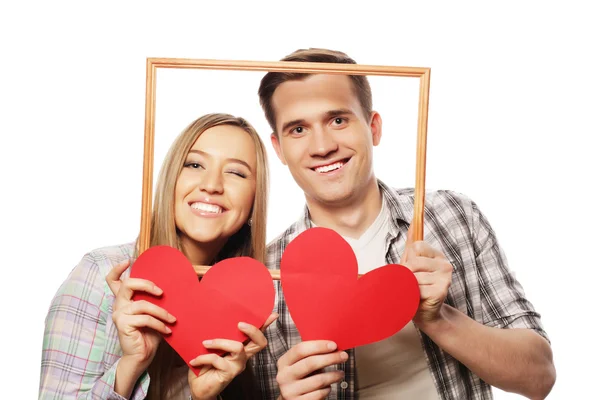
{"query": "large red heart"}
(238, 289)
(327, 300)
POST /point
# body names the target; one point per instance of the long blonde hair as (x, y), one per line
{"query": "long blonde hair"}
(248, 241)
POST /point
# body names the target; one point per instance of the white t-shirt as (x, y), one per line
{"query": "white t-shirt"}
(393, 368)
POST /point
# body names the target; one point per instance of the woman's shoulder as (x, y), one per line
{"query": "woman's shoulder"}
(105, 258)
(95, 264)
(85, 284)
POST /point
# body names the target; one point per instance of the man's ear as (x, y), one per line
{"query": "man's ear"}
(277, 147)
(376, 127)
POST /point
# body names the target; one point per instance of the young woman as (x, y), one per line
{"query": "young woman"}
(210, 203)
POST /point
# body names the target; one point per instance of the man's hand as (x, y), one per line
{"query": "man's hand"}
(296, 370)
(434, 275)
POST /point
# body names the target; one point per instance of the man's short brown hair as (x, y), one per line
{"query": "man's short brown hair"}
(272, 80)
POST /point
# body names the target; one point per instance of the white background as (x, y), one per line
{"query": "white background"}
(513, 124)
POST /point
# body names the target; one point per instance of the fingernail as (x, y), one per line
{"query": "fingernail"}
(243, 325)
(344, 356)
(331, 346)
(207, 342)
(157, 290)
(168, 330)
(172, 317)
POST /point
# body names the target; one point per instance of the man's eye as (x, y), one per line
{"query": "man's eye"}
(298, 129)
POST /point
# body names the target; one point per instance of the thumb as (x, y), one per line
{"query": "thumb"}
(410, 239)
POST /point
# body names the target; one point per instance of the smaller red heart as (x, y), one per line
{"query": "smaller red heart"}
(327, 300)
(234, 290)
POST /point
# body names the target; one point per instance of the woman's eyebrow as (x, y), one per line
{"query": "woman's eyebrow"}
(233, 160)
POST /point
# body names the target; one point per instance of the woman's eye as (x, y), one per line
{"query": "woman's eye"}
(238, 173)
(194, 165)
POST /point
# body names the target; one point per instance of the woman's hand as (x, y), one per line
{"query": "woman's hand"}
(139, 323)
(218, 371)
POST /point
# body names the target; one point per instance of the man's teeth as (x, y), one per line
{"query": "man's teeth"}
(329, 167)
(211, 208)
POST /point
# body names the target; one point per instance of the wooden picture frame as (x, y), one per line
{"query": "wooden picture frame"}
(153, 64)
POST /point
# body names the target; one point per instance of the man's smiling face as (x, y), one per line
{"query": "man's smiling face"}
(324, 138)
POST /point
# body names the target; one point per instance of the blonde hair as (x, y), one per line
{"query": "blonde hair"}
(248, 241)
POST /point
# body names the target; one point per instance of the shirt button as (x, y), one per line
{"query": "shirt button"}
(344, 385)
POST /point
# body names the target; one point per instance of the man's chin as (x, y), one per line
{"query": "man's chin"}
(333, 196)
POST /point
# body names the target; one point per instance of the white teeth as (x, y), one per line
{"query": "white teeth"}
(329, 167)
(211, 208)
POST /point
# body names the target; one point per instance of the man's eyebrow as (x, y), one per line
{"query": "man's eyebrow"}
(328, 114)
(289, 124)
(233, 160)
(338, 112)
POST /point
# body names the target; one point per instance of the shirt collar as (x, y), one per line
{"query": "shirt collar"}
(400, 204)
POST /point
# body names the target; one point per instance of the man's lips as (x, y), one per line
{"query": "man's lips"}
(331, 166)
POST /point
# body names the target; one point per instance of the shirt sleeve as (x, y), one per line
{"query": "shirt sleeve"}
(78, 357)
(503, 298)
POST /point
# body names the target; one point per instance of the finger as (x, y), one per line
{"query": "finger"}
(306, 349)
(130, 285)
(317, 395)
(410, 235)
(308, 365)
(210, 359)
(424, 249)
(145, 307)
(423, 264)
(141, 321)
(314, 385)
(258, 341)
(269, 321)
(425, 278)
(228, 346)
(113, 278)
(410, 238)
(433, 295)
(192, 375)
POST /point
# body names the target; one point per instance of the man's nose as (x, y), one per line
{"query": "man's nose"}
(322, 143)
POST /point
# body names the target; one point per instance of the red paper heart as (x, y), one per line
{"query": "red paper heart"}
(234, 290)
(327, 301)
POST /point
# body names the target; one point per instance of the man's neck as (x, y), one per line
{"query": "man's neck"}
(351, 218)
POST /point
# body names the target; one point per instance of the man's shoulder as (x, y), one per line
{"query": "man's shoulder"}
(277, 246)
(435, 199)
(446, 197)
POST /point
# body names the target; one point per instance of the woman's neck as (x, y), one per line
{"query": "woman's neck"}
(199, 253)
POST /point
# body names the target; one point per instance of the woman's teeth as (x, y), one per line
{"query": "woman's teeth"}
(211, 208)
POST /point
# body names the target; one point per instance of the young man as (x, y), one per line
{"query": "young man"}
(474, 327)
